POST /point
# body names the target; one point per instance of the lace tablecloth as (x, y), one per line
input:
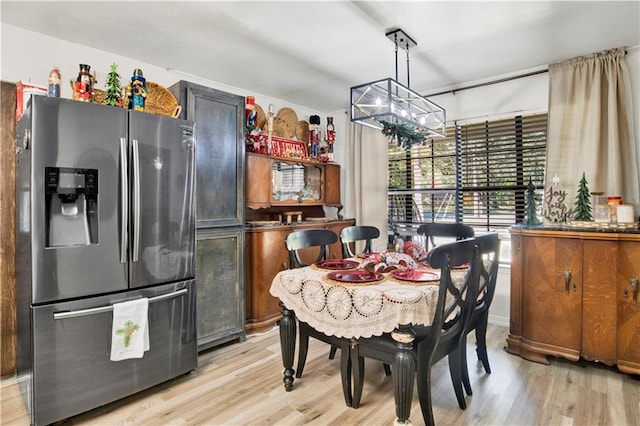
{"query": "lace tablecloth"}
(355, 311)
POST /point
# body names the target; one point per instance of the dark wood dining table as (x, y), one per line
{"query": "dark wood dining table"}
(354, 310)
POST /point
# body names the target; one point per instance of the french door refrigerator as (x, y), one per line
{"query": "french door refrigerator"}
(105, 214)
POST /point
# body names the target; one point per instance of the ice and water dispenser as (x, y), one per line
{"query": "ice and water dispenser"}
(71, 206)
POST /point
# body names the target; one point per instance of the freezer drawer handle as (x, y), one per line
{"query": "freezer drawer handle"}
(102, 309)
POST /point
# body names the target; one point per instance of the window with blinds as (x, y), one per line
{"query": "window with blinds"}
(497, 159)
(477, 175)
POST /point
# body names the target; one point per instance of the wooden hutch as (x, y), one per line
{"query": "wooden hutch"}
(574, 294)
(283, 195)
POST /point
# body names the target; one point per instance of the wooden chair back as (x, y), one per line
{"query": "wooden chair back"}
(351, 234)
(306, 238)
(457, 231)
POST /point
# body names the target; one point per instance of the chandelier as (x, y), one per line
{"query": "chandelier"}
(387, 102)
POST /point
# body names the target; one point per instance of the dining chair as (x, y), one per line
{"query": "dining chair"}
(295, 243)
(445, 335)
(457, 231)
(351, 234)
(489, 250)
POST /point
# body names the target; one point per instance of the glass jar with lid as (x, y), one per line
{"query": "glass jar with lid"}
(600, 207)
(613, 202)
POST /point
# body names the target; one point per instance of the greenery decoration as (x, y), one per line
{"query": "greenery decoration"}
(405, 134)
(530, 213)
(114, 92)
(582, 205)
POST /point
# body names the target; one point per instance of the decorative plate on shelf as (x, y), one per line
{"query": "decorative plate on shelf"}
(415, 275)
(302, 131)
(337, 264)
(356, 276)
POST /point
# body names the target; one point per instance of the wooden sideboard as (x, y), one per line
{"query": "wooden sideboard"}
(266, 255)
(574, 294)
(275, 188)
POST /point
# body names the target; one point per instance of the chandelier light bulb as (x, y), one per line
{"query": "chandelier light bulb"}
(422, 120)
(378, 101)
(403, 113)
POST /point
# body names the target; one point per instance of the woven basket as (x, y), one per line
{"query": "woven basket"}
(99, 96)
(159, 101)
(302, 131)
(261, 118)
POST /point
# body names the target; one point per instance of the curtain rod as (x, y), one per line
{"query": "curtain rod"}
(502, 80)
(488, 83)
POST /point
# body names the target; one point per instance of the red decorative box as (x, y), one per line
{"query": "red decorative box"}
(288, 148)
(23, 94)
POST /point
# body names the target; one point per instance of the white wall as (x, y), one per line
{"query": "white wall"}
(29, 56)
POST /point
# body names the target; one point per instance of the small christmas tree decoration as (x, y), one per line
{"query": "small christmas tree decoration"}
(114, 92)
(530, 212)
(582, 205)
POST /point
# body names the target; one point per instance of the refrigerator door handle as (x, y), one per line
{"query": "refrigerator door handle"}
(136, 200)
(109, 308)
(124, 200)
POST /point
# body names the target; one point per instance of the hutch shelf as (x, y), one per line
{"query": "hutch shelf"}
(282, 196)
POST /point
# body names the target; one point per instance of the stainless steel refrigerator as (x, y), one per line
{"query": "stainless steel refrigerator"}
(105, 214)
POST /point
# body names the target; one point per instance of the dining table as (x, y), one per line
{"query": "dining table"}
(345, 299)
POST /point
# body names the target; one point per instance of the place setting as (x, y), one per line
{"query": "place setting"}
(374, 267)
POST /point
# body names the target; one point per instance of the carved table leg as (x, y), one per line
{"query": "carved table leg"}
(404, 372)
(287, 344)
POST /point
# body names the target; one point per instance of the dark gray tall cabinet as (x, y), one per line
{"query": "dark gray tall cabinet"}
(220, 160)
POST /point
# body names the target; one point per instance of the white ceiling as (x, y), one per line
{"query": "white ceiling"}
(311, 52)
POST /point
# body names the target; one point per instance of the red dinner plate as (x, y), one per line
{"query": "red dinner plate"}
(463, 266)
(355, 276)
(337, 265)
(415, 275)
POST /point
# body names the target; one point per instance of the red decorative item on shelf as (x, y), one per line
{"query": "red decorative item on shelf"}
(287, 148)
(250, 111)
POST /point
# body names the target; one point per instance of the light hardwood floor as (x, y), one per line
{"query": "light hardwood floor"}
(241, 384)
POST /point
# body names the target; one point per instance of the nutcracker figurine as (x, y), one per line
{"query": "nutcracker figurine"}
(84, 84)
(331, 137)
(314, 136)
(137, 91)
(250, 112)
(54, 83)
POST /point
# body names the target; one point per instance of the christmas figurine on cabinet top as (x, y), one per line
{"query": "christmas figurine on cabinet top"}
(54, 83)
(331, 137)
(83, 89)
(314, 135)
(137, 91)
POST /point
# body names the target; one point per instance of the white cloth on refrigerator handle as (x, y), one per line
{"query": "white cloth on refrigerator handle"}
(130, 329)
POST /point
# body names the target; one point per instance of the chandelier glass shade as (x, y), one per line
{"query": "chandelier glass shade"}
(388, 101)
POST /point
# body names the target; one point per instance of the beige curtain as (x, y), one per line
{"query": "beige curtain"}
(365, 178)
(590, 130)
